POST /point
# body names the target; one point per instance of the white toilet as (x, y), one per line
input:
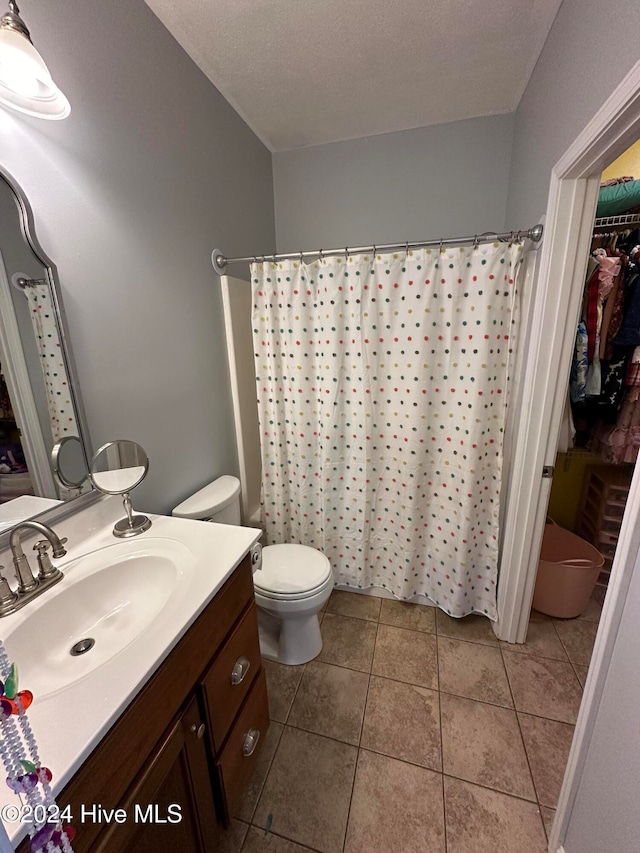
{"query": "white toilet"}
(292, 584)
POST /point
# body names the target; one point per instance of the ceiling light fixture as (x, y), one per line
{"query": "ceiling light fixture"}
(25, 82)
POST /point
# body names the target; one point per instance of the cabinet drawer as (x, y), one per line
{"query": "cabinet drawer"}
(234, 767)
(229, 679)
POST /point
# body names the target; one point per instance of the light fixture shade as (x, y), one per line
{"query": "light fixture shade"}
(25, 82)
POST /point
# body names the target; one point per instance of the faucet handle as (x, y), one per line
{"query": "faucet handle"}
(7, 596)
(47, 569)
(43, 544)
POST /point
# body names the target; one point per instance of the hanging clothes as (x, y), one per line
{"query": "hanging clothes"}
(382, 384)
(578, 379)
(603, 393)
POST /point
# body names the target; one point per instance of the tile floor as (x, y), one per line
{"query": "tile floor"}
(416, 733)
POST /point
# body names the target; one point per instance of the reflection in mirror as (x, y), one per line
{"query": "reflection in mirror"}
(69, 465)
(118, 467)
(39, 399)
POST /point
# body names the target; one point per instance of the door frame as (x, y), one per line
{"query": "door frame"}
(548, 345)
(571, 207)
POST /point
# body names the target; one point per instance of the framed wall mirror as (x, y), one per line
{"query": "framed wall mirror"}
(42, 423)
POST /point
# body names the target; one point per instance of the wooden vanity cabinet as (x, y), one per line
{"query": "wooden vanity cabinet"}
(177, 775)
(190, 738)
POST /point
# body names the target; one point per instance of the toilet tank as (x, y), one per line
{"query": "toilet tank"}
(219, 502)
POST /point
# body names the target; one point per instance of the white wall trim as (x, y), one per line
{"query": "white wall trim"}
(572, 200)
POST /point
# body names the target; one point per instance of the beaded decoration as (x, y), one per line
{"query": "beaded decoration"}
(25, 774)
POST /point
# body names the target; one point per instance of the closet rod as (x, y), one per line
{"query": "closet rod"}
(623, 219)
(219, 261)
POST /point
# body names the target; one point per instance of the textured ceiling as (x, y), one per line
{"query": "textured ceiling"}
(305, 73)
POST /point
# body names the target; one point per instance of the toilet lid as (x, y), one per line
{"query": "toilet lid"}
(291, 570)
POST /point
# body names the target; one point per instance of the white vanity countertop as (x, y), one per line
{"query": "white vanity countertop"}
(69, 723)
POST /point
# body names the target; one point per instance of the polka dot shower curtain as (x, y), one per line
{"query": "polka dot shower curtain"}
(382, 391)
(58, 395)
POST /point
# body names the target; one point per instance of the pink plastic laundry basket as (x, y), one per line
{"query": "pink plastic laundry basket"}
(567, 573)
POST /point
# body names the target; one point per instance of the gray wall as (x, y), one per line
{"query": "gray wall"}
(152, 170)
(441, 181)
(574, 76)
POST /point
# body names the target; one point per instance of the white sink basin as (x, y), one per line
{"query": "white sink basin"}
(110, 596)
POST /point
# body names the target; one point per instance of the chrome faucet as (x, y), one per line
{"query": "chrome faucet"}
(29, 586)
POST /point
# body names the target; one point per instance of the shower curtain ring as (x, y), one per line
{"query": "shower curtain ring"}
(321, 255)
(475, 241)
(346, 253)
(441, 242)
(301, 261)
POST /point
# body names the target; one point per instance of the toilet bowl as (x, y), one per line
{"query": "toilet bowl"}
(291, 583)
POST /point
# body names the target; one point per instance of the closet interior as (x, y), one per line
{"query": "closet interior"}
(600, 437)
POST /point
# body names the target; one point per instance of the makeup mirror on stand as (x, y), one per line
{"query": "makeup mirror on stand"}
(116, 468)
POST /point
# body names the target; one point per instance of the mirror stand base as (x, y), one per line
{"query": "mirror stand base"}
(125, 528)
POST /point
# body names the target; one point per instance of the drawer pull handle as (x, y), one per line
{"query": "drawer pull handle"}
(250, 742)
(198, 731)
(239, 671)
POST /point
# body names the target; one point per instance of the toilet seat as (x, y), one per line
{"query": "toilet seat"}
(298, 596)
(291, 572)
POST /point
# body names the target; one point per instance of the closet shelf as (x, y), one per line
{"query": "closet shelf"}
(623, 219)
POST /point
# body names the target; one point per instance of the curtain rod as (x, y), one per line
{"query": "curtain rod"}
(219, 261)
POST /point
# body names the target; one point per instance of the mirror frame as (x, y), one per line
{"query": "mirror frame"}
(27, 226)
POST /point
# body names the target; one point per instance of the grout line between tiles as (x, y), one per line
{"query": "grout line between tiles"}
(341, 665)
(574, 665)
(444, 804)
(404, 627)
(295, 694)
(364, 713)
(509, 647)
(435, 690)
(515, 650)
(524, 746)
(505, 707)
(379, 621)
(351, 616)
(266, 776)
(497, 791)
(566, 652)
(533, 801)
(366, 749)
(322, 734)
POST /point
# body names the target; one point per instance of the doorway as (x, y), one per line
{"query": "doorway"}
(600, 433)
